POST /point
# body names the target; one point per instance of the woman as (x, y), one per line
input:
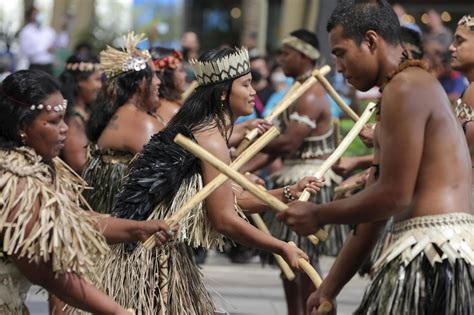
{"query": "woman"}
(165, 176)
(168, 63)
(47, 239)
(81, 81)
(122, 121)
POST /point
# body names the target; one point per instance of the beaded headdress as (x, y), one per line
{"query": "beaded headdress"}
(229, 67)
(48, 107)
(468, 21)
(303, 47)
(83, 66)
(115, 62)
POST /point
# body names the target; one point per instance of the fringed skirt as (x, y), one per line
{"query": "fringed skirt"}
(104, 172)
(164, 280)
(379, 248)
(427, 269)
(292, 172)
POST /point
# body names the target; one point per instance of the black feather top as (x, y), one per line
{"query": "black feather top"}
(156, 175)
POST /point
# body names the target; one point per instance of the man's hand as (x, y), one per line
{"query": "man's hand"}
(316, 299)
(301, 217)
(346, 165)
(367, 135)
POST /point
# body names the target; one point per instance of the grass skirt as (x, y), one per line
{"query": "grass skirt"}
(428, 268)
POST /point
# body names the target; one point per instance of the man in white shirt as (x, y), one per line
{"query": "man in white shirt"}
(37, 42)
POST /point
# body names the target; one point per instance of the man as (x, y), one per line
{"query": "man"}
(260, 82)
(37, 42)
(424, 179)
(462, 59)
(306, 140)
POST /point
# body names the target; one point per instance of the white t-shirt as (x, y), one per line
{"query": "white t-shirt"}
(35, 40)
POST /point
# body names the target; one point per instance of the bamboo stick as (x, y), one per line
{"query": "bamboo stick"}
(271, 134)
(285, 268)
(269, 199)
(348, 139)
(326, 306)
(192, 86)
(336, 97)
(293, 94)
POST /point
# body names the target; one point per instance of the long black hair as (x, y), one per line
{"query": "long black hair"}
(70, 79)
(113, 95)
(204, 109)
(18, 92)
(167, 87)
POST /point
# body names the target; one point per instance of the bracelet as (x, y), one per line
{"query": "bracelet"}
(287, 194)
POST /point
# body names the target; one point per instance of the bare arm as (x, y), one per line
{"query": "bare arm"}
(355, 251)
(258, 162)
(118, 230)
(293, 136)
(74, 151)
(220, 206)
(251, 204)
(69, 286)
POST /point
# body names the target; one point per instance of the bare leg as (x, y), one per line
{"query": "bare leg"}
(292, 293)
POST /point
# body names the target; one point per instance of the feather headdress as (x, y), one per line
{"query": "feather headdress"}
(114, 62)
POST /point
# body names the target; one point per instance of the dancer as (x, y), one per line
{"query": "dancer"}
(80, 81)
(169, 68)
(463, 61)
(47, 239)
(165, 176)
(122, 120)
(428, 267)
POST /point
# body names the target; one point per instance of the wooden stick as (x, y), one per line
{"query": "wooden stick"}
(336, 97)
(192, 86)
(348, 139)
(337, 131)
(285, 268)
(240, 179)
(284, 104)
(326, 306)
(266, 138)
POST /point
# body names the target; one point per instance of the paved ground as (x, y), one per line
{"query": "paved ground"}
(243, 289)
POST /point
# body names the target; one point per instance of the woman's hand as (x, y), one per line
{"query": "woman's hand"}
(292, 254)
(159, 228)
(255, 179)
(241, 130)
(310, 183)
(316, 299)
(261, 124)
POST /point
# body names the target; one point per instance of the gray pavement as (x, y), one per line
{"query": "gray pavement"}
(242, 289)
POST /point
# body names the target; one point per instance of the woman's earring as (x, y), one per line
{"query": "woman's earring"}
(23, 138)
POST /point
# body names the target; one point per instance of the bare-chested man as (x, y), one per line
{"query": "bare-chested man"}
(462, 53)
(424, 182)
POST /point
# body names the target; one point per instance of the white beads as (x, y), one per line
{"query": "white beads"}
(56, 108)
